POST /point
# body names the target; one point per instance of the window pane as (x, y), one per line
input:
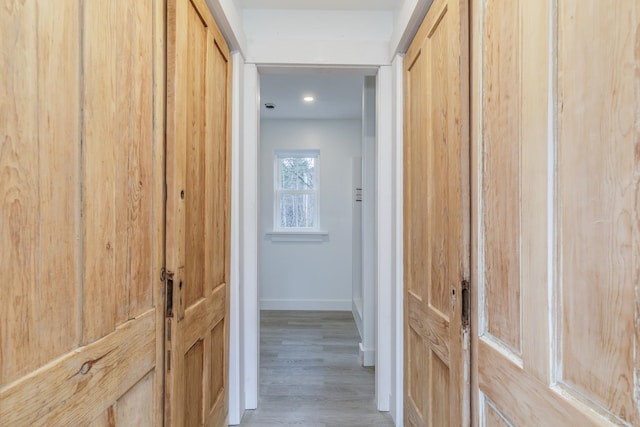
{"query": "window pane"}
(297, 210)
(297, 173)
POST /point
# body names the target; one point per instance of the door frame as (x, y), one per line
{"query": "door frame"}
(247, 329)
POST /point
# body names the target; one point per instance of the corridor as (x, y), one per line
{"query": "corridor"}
(310, 374)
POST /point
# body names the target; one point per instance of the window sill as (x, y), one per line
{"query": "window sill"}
(297, 236)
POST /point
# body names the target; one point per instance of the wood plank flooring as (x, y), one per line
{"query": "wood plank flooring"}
(310, 374)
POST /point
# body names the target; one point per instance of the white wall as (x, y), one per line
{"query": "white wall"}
(318, 37)
(369, 186)
(247, 238)
(356, 248)
(310, 275)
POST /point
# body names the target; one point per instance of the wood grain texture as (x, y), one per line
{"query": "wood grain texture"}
(476, 14)
(577, 103)
(436, 218)
(106, 418)
(135, 407)
(176, 112)
(417, 274)
(158, 182)
(39, 184)
(219, 174)
(536, 176)
(118, 148)
(415, 160)
(216, 364)
(141, 145)
(100, 139)
(77, 388)
(201, 317)
(197, 161)
(598, 166)
(310, 374)
(83, 329)
(440, 393)
(501, 172)
(493, 417)
(193, 384)
(198, 92)
(416, 358)
(439, 140)
(525, 400)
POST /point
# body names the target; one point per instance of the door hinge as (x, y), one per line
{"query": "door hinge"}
(168, 360)
(466, 303)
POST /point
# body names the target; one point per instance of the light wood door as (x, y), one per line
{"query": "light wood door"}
(198, 222)
(436, 220)
(81, 212)
(556, 215)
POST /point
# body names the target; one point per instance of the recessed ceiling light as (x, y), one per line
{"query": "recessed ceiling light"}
(308, 99)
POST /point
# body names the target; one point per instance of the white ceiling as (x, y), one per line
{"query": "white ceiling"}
(337, 96)
(321, 4)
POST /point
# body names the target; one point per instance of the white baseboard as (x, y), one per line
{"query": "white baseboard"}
(367, 356)
(319, 305)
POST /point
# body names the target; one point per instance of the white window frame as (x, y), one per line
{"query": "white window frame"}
(278, 191)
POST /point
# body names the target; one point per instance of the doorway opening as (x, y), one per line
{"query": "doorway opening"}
(244, 363)
(316, 186)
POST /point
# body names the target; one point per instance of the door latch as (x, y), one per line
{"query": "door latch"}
(466, 304)
(169, 287)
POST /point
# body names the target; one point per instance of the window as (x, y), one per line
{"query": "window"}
(296, 195)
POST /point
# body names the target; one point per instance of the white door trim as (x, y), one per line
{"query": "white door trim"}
(248, 291)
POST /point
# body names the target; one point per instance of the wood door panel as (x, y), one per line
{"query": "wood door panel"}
(416, 391)
(433, 326)
(193, 384)
(106, 419)
(436, 219)
(81, 155)
(117, 239)
(597, 195)
(440, 393)
(140, 170)
(556, 105)
(219, 172)
(523, 398)
(491, 416)
(501, 173)
(439, 139)
(38, 185)
(101, 137)
(216, 363)
(198, 218)
(196, 147)
(135, 407)
(202, 316)
(80, 386)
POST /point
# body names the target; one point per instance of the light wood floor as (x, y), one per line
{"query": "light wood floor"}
(310, 374)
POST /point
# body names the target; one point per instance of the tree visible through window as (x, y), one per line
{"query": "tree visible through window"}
(296, 190)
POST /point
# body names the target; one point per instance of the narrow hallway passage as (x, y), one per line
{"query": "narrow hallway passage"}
(310, 374)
